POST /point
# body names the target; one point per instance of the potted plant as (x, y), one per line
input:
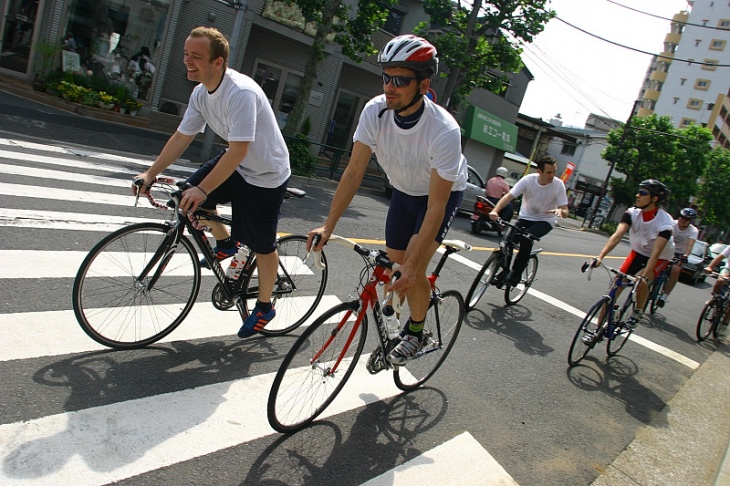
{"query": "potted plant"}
(106, 100)
(47, 51)
(132, 106)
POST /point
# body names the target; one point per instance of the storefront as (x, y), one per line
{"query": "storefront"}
(119, 40)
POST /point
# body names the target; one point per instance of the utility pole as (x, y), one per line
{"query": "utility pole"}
(604, 187)
(240, 8)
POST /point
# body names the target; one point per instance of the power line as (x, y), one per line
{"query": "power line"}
(665, 18)
(638, 50)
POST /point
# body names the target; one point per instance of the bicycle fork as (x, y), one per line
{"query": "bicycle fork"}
(160, 259)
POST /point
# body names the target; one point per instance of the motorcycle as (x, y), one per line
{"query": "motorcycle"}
(480, 220)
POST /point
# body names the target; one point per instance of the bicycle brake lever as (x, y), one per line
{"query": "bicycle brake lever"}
(139, 183)
(318, 263)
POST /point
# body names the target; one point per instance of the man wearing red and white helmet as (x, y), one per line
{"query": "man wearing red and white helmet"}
(418, 144)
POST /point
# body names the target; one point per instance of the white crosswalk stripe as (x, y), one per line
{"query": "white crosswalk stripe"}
(121, 438)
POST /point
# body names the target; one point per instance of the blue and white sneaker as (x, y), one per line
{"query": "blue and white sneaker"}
(255, 322)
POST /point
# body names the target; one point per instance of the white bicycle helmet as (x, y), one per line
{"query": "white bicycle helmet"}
(503, 172)
(411, 52)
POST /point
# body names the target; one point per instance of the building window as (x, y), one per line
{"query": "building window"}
(685, 122)
(703, 84)
(723, 24)
(281, 87)
(568, 148)
(694, 104)
(119, 41)
(710, 64)
(717, 45)
(394, 22)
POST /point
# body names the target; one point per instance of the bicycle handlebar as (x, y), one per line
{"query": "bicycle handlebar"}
(521, 231)
(591, 264)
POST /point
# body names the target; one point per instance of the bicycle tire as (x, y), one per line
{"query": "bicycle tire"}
(449, 307)
(621, 334)
(589, 327)
(482, 280)
(654, 295)
(706, 322)
(298, 289)
(513, 294)
(302, 389)
(114, 308)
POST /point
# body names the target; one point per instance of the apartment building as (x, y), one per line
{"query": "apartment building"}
(689, 80)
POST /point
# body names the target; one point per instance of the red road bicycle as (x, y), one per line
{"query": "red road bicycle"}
(325, 355)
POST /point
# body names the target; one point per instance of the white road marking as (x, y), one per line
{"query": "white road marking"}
(459, 461)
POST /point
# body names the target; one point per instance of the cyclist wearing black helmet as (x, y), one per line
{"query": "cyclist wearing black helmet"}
(418, 144)
(684, 234)
(650, 236)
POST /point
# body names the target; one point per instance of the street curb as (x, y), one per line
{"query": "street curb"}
(687, 443)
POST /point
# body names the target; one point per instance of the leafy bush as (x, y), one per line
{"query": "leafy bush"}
(300, 156)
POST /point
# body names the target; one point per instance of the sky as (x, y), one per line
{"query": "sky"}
(577, 74)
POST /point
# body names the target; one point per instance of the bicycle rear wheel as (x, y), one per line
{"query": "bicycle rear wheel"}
(512, 295)
(482, 280)
(306, 384)
(440, 330)
(707, 320)
(621, 334)
(298, 289)
(655, 293)
(590, 331)
(110, 296)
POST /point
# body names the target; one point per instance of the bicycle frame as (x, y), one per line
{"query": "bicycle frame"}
(368, 299)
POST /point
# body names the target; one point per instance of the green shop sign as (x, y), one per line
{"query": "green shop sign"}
(484, 127)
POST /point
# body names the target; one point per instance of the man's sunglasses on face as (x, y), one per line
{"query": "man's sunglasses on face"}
(398, 81)
(642, 192)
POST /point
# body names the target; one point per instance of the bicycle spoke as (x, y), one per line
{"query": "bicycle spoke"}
(589, 332)
(316, 368)
(438, 341)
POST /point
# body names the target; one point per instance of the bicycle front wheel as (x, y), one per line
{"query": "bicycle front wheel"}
(482, 280)
(134, 287)
(440, 330)
(707, 319)
(512, 295)
(316, 368)
(589, 332)
(298, 288)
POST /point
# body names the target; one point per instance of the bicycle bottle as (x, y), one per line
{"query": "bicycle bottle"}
(237, 263)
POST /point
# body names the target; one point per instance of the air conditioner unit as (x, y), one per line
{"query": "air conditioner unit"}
(172, 107)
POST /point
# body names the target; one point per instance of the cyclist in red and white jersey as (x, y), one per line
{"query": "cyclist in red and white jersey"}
(650, 236)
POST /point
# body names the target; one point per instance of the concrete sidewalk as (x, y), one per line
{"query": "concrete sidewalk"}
(687, 445)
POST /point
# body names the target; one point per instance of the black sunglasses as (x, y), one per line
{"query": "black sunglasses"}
(398, 81)
(643, 192)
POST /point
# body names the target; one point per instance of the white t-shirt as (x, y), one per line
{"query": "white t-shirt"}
(539, 199)
(643, 234)
(408, 156)
(239, 111)
(681, 237)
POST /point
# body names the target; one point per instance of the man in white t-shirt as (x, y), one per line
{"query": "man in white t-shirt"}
(251, 174)
(418, 144)
(544, 200)
(650, 236)
(684, 235)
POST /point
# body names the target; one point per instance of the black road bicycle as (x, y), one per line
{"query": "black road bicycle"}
(496, 268)
(711, 319)
(140, 282)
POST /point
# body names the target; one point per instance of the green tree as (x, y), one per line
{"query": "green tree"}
(652, 148)
(714, 205)
(478, 42)
(352, 33)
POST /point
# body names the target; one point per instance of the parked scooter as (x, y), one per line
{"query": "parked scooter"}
(480, 220)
